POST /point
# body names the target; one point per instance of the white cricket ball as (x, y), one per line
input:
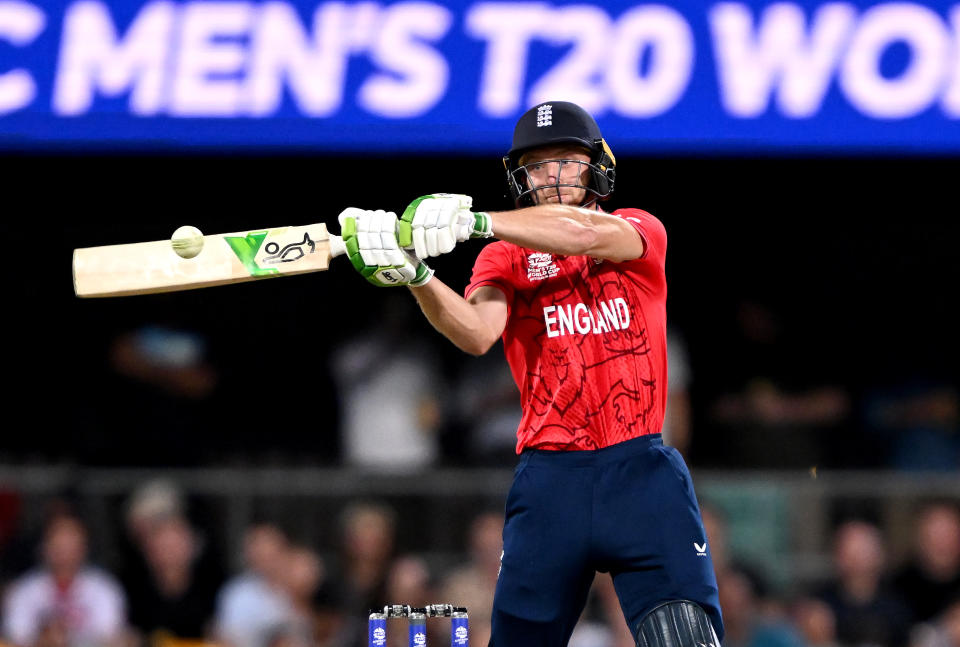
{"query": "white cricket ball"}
(187, 241)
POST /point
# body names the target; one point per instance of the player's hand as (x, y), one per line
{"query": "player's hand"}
(370, 239)
(433, 224)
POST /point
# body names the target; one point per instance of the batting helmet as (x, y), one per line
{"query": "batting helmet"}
(552, 123)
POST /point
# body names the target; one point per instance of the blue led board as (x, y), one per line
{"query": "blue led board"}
(452, 77)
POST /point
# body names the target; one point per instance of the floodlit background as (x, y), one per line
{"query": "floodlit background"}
(258, 465)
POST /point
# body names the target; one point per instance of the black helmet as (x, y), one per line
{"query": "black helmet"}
(559, 122)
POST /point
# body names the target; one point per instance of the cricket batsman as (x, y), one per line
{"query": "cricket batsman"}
(578, 296)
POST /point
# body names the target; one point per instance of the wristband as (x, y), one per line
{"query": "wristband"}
(482, 225)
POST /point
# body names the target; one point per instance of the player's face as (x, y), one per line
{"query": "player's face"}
(558, 173)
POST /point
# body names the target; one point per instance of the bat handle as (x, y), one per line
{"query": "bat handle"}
(337, 248)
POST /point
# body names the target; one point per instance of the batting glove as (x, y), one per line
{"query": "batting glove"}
(370, 239)
(433, 224)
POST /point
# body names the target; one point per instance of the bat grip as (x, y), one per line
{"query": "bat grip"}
(337, 248)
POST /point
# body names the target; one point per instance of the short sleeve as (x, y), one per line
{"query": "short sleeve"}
(22, 607)
(109, 611)
(651, 230)
(494, 266)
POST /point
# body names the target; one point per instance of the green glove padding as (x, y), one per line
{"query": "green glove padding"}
(433, 224)
(370, 239)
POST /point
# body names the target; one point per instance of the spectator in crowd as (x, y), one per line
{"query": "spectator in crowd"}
(716, 527)
(919, 421)
(389, 386)
(65, 602)
(472, 584)
(867, 612)
(254, 603)
(176, 599)
(410, 582)
(942, 631)
(14, 549)
(602, 623)
(746, 624)
(815, 620)
(162, 372)
(302, 575)
(358, 578)
(594, 628)
(149, 504)
(771, 405)
(759, 618)
(169, 358)
(932, 578)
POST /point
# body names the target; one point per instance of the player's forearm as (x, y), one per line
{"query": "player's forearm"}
(569, 231)
(454, 317)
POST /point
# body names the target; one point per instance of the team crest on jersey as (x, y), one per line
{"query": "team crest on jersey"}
(540, 266)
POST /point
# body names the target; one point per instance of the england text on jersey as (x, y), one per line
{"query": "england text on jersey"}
(612, 314)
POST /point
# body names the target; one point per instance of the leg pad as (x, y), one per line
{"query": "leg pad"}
(678, 623)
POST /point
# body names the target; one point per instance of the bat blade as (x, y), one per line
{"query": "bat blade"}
(152, 267)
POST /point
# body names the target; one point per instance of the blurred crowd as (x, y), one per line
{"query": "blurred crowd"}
(866, 600)
(772, 395)
(764, 399)
(171, 588)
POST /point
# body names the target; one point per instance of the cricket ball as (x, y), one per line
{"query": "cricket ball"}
(187, 241)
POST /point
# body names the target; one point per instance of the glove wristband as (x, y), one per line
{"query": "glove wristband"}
(424, 274)
(482, 225)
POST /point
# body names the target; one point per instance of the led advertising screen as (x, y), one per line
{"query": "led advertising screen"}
(427, 76)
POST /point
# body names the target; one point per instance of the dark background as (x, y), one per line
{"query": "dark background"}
(855, 257)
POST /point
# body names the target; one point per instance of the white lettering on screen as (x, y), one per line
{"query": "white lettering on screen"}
(20, 24)
(243, 58)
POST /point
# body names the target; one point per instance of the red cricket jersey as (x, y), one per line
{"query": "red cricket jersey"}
(586, 341)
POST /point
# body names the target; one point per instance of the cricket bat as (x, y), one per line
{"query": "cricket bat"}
(164, 266)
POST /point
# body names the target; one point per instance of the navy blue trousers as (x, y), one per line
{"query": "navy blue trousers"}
(629, 510)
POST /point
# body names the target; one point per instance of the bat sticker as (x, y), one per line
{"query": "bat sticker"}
(290, 253)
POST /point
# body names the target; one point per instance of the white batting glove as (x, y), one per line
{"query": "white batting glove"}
(370, 239)
(433, 224)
